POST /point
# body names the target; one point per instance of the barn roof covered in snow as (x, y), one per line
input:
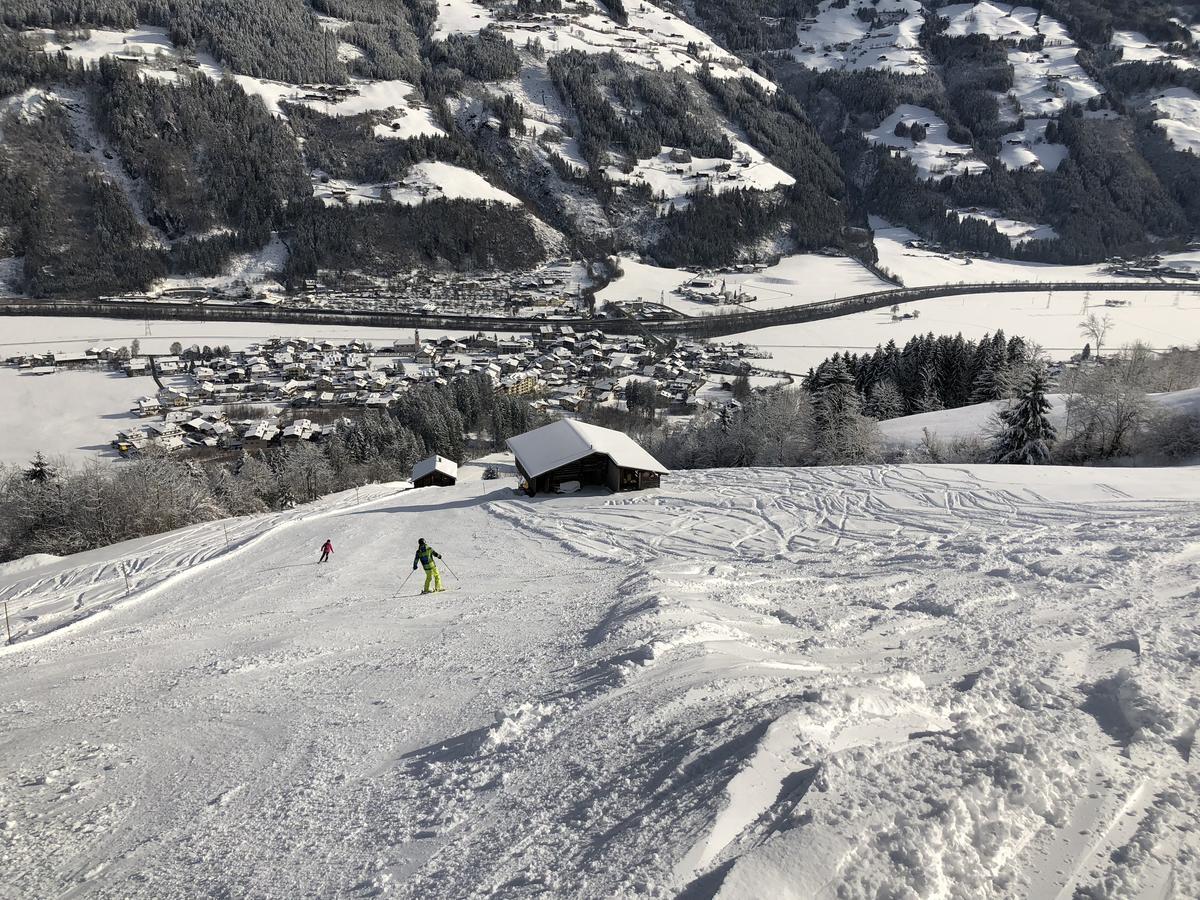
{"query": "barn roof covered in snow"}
(546, 448)
(435, 464)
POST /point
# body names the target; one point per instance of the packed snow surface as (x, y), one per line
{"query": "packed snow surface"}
(858, 682)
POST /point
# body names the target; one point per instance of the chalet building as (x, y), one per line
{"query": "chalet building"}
(436, 471)
(568, 451)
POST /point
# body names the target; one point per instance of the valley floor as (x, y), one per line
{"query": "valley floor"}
(849, 682)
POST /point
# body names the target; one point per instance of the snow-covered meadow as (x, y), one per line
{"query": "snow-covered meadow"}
(424, 181)
(1028, 148)
(937, 155)
(792, 281)
(1161, 320)
(978, 420)
(838, 38)
(1178, 111)
(922, 681)
(918, 266)
(70, 414)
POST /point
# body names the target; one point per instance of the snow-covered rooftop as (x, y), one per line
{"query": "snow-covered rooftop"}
(435, 464)
(546, 448)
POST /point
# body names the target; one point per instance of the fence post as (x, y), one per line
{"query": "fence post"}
(125, 572)
(7, 624)
(225, 528)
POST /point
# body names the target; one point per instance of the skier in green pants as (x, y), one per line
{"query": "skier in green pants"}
(426, 556)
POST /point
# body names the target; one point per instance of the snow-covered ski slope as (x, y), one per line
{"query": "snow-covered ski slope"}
(849, 682)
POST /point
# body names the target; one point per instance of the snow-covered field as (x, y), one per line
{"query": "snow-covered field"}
(1179, 116)
(1136, 47)
(937, 155)
(653, 37)
(674, 181)
(975, 421)
(44, 334)
(858, 682)
(838, 38)
(793, 281)
(1017, 232)
(72, 414)
(429, 180)
(920, 267)
(151, 49)
(1052, 320)
(1028, 148)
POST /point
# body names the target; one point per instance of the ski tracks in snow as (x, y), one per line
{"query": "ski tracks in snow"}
(835, 682)
(902, 681)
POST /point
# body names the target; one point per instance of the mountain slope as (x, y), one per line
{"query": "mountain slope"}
(813, 683)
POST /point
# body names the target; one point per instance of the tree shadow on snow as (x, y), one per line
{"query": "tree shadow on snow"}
(465, 503)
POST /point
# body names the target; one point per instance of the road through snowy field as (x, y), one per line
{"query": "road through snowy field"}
(860, 682)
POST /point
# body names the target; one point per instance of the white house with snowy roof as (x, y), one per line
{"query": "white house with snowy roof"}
(568, 451)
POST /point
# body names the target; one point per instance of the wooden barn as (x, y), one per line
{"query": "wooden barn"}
(436, 471)
(568, 451)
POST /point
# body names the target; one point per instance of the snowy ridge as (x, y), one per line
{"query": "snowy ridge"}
(845, 682)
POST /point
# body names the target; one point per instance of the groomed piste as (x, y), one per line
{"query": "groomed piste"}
(852, 682)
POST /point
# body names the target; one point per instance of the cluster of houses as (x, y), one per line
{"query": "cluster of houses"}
(185, 429)
(554, 289)
(557, 368)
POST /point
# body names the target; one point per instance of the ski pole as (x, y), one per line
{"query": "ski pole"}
(405, 581)
(450, 570)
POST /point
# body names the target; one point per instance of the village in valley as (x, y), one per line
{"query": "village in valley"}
(295, 389)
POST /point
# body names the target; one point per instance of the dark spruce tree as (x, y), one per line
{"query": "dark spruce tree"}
(1027, 434)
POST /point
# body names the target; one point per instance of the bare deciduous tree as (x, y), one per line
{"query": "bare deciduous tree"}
(1096, 328)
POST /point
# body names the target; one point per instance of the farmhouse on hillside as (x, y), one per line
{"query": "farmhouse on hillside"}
(436, 471)
(569, 451)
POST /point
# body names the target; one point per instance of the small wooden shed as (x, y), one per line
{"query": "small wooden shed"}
(569, 451)
(436, 471)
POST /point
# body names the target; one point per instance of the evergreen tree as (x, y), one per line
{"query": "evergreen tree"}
(884, 401)
(840, 432)
(1027, 433)
(39, 471)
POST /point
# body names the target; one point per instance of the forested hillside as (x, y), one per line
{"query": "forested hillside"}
(140, 140)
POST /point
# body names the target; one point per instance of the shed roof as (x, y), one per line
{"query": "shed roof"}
(546, 448)
(435, 464)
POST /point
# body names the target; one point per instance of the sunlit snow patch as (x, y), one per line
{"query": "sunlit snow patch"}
(1016, 231)
(424, 181)
(673, 174)
(1028, 149)
(1179, 116)
(1136, 47)
(838, 38)
(936, 155)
